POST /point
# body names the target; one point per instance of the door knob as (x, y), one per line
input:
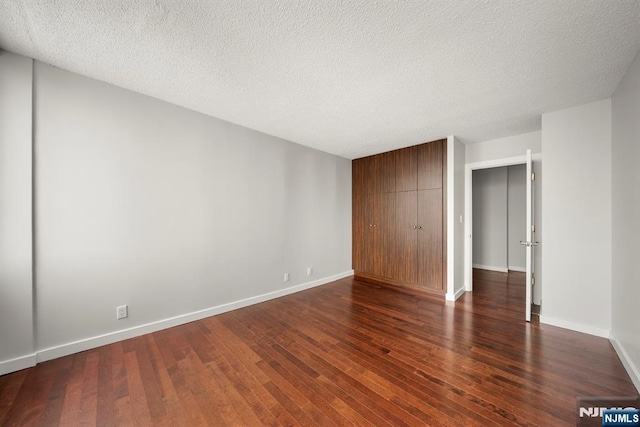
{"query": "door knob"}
(414, 227)
(419, 226)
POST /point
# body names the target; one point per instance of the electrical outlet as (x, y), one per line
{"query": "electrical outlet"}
(121, 312)
(286, 277)
(309, 271)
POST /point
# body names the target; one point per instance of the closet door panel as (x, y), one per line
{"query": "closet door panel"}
(359, 222)
(359, 234)
(386, 172)
(378, 173)
(430, 241)
(404, 254)
(373, 234)
(406, 169)
(430, 169)
(359, 176)
(387, 232)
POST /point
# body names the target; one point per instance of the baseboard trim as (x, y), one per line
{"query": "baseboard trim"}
(632, 369)
(111, 337)
(578, 327)
(491, 268)
(17, 364)
(456, 295)
(519, 269)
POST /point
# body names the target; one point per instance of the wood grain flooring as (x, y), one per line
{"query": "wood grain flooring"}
(347, 353)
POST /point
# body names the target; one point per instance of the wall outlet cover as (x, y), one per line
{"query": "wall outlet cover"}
(121, 312)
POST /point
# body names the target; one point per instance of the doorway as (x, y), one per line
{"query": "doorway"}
(499, 218)
(469, 222)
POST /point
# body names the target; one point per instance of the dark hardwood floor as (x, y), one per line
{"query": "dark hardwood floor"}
(347, 353)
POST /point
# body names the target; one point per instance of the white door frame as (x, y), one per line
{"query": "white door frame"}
(468, 207)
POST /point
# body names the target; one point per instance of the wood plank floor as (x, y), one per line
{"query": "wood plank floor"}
(347, 353)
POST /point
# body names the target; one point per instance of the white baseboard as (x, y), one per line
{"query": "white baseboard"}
(17, 364)
(491, 268)
(100, 340)
(111, 337)
(578, 327)
(456, 295)
(520, 269)
(632, 369)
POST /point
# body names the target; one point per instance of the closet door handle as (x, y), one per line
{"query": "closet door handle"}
(414, 227)
(419, 226)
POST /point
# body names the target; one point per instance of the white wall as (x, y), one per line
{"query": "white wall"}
(577, 218)
(174, 213)
(490, 219)
(626, 213)
(455, 218)
(516, 216)
(511, 146)
(16, 328)
(147, 204)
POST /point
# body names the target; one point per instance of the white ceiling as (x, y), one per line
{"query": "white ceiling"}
(350, 77)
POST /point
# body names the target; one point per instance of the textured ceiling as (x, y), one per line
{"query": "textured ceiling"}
(348, 77)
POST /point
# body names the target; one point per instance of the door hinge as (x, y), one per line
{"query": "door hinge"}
(533, 176)
(533, 228)
(533, 280)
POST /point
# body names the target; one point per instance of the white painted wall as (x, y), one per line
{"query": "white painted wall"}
(502, 148)
(577, 218)
(147, 204)
(144, 203)
(490, 219)
(625, 216)
(516, 216)
(16, 328)
(455, 217)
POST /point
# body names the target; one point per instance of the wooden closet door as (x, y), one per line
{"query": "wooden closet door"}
(359, 220)
(387, 232)
(358, 176)
(430, 157)
(406, 169)
(377, 173)
(403, 256)
(360, 229)
(385, 172)
(372, 242)
(430, 240)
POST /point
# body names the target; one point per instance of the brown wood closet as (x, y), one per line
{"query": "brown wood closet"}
(399, 217)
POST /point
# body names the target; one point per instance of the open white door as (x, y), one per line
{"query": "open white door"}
(530, 243)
